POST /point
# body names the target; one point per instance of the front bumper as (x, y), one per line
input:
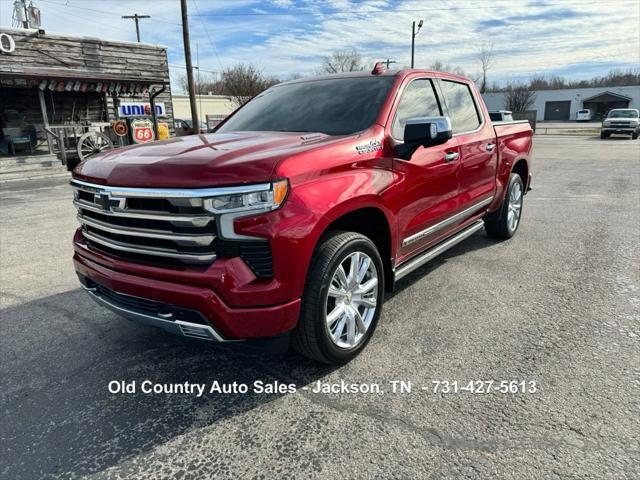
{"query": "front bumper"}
(621, 130)
(220, 321)
(159, 317)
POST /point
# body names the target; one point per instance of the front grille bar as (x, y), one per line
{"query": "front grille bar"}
(132, 192)
(192, 220)
(160, 252)
(184, 240)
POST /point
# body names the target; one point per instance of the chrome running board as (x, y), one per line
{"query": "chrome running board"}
(409, 266)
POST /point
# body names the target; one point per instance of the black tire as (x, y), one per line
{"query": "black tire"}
(603, 135)
(634, 136)
(311, 337)
(498, 226)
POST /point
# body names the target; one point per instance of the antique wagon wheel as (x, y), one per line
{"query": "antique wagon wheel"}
(91, 143)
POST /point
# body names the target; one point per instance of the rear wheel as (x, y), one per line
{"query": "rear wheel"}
(342, 299)
(506, 225)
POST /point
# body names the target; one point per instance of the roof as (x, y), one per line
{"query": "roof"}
(386, 73)
(36, 32)
(70, 74)
(601, 94)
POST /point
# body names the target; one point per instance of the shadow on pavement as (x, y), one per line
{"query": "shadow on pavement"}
(59, 355)
(477, 241)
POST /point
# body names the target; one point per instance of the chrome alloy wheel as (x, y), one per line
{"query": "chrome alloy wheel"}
(351, 300)
(515, 206)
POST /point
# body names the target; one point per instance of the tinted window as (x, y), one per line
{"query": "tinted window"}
(335, 106)
(462, 109)
(418, 100)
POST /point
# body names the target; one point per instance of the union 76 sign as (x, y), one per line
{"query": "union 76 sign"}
(7, 43)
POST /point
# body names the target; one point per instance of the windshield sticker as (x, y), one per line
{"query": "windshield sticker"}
(372, 146)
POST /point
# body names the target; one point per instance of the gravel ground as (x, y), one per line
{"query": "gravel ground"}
(558, 304)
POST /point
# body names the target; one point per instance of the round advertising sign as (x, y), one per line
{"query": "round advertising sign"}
(120, 128)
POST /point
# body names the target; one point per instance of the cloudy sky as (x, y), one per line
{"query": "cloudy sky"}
(573, 38)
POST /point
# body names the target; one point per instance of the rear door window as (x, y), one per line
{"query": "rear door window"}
(461, 106)
(418, 100)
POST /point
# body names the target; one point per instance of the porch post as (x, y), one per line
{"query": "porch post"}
(45, 119)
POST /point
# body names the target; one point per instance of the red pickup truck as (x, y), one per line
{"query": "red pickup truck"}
(302, 208)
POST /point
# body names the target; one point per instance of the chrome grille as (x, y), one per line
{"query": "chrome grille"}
(147, 224)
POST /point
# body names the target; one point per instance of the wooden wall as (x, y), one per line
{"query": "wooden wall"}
(38, 57)
(47, 54)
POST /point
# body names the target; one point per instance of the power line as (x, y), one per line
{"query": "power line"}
(106, 12)
(173, 65)
(213, 47)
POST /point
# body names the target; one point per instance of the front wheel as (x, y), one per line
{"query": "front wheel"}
(507, 223)
(342, 299)
(634, 136)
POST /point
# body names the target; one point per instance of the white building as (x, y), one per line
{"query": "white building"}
(215, 107)
(559, 105)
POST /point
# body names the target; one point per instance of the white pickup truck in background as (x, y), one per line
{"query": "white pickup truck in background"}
(621, 121)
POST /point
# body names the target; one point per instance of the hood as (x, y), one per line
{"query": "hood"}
(195, 161)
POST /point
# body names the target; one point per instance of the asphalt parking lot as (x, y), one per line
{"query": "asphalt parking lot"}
(558, 304)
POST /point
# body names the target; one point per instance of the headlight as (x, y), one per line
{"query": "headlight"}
(633, 123)
(266, 199)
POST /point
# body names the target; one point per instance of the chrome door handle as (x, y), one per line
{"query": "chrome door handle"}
(490, 147)
(450, 157)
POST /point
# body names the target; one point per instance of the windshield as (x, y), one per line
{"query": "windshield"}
(338, 106)
(623, 114)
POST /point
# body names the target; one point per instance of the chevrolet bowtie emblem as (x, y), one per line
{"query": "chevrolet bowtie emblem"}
(106, 202)
(103, 200)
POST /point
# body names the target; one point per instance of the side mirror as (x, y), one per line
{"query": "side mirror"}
(424, 132)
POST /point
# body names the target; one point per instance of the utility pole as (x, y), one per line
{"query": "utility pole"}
(136, 18)
(187, 59)
(387, 61)
(198, 82)
(414, 32)
(26, 15)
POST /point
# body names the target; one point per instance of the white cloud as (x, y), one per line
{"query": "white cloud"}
(528, 37)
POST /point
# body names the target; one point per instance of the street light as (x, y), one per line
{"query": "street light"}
(414, 32)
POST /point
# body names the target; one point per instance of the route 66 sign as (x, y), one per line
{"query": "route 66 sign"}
(142, 131)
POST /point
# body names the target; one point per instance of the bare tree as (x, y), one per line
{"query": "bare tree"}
(440, 66)
(342, 61)
(243, 82)
(485, 56)
(204, 84)
(518, 97)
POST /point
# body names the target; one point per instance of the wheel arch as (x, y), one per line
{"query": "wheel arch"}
(372, 222)
(521, 167)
